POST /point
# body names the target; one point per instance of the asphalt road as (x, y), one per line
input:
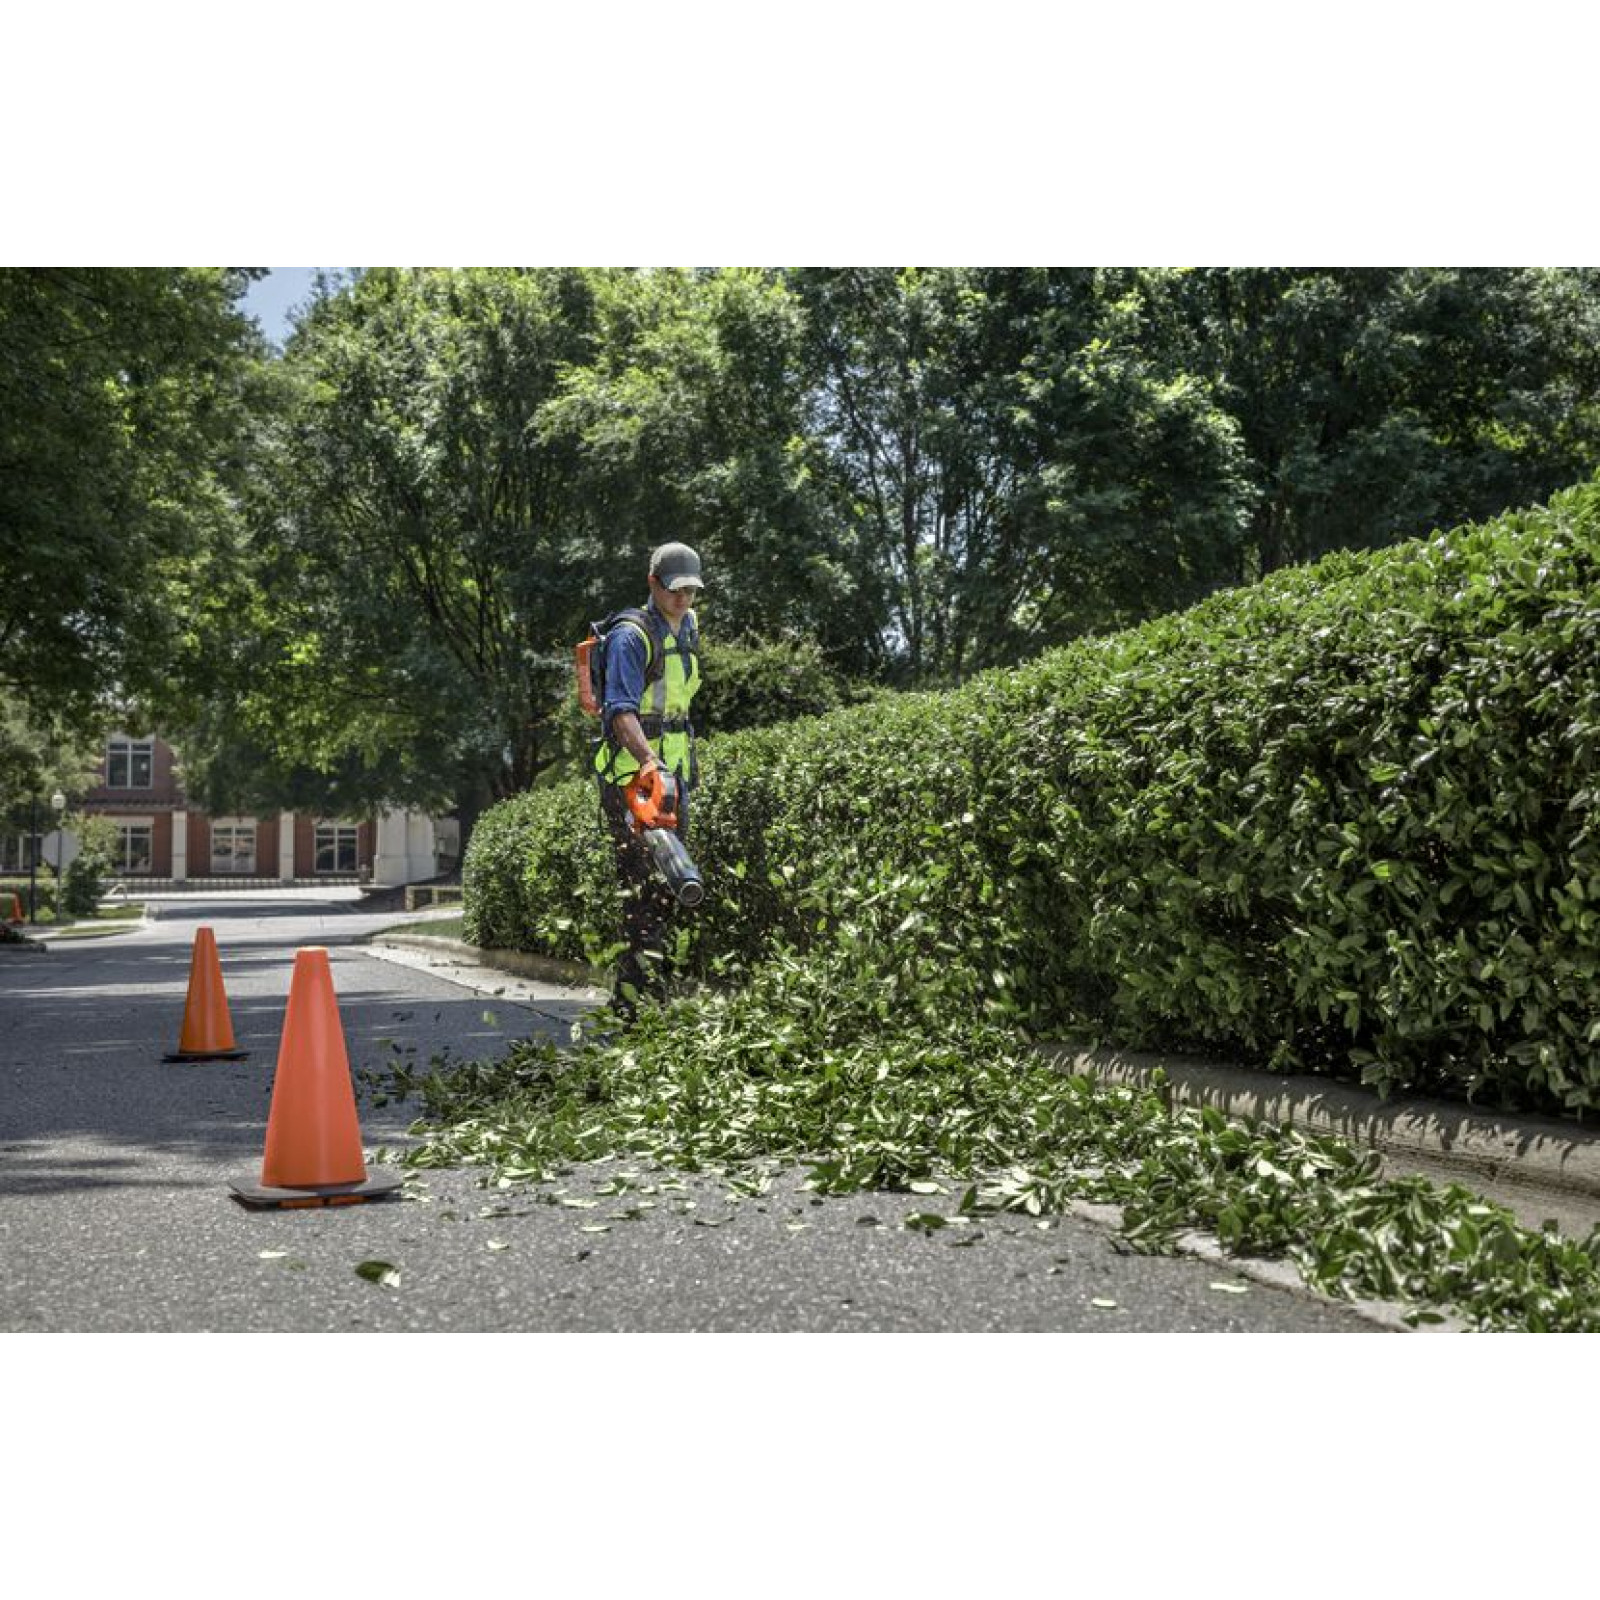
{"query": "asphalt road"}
(115, 1214)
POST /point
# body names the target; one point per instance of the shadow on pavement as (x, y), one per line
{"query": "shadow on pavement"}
(86, 1100)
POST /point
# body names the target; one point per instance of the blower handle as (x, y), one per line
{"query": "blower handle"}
(647, 801)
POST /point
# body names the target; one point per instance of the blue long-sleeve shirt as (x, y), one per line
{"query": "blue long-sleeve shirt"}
(627, 657)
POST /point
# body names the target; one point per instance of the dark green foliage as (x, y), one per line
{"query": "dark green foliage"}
(83, 882)
(1020, 455)
(81, 887)
(539, 875)
(1340, 822)
(1375, 404)
(124, 395)
(751, 683)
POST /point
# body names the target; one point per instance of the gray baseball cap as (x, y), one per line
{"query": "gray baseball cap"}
(676, 566)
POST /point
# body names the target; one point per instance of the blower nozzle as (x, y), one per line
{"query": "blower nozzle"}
(657, 824)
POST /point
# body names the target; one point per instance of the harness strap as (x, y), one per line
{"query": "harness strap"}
(652, 724)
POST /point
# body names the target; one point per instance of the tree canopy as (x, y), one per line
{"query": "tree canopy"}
(353, 573)
(124, 403)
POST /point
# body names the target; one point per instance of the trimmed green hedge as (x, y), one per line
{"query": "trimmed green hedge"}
(1340, 821)
(751, 683)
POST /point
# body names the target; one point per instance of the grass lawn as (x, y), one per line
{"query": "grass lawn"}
(106, 920)
(436, 928)
(132, 911)
(97, 922)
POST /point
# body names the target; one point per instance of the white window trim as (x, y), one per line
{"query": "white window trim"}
(339, 825)
(131, 744)
(122, 843)
(235, 825)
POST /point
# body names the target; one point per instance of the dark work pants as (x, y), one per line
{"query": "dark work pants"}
(647, 902)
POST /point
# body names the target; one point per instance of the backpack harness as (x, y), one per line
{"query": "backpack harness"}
(590, 663)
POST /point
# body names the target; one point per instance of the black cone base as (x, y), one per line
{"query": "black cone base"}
(206, 1055)
(260, 1196)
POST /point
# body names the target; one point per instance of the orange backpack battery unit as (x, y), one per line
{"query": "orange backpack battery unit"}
(589, 658)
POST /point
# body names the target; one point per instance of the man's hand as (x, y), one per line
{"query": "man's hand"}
(658, 782)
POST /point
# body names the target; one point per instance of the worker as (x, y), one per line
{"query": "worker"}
(650, 674)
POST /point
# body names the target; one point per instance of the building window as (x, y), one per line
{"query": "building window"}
(233, 845)
(129, 763)
(336, 847)
(135, 852)
(19, 851)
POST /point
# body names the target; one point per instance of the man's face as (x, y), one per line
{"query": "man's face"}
(673, 604)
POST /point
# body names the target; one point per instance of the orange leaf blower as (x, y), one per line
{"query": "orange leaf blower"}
(655, 820)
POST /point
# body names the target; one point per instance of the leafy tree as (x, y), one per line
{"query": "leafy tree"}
(83, 882)
(37, 760)
(1376, 405)
(122, 408)
(1018, 463)
(420, 550)
(690, 419)
(1124, 490)
(467, 467)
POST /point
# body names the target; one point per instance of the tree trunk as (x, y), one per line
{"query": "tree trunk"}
(1272, 531)
(473, 799)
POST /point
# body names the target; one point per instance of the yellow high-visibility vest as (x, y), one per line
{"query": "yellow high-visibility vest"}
(664, 705)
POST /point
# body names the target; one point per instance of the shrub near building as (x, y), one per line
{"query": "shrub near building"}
(1340, 821)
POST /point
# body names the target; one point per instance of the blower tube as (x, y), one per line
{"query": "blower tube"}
(673, 863)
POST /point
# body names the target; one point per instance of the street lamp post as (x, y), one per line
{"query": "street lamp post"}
(33, 862)
(58, 804)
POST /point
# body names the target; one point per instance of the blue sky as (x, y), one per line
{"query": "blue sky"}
(270, 299)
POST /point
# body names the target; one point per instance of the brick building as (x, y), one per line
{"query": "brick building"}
(160, 836)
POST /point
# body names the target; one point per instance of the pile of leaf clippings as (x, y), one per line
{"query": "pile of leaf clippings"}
(805, 1065)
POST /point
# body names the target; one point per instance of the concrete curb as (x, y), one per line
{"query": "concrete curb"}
(90, 930)
(549, 969)
(1537, 1151)
(110, 931)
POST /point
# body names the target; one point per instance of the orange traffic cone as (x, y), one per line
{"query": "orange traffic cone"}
(15, 915)
(313, 1155)
(207, 1033)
